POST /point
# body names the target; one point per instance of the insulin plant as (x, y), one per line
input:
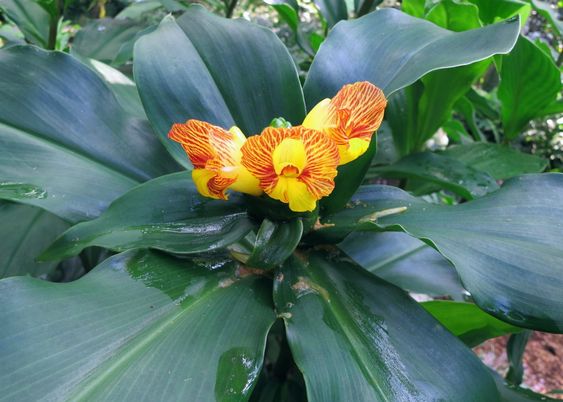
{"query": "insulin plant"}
(268, 272)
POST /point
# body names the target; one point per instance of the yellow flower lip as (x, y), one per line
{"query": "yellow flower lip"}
(294, 165)
(350, 118)
(215, 155)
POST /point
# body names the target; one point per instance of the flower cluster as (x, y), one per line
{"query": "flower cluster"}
(295, 165)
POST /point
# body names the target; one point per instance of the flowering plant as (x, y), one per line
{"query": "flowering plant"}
(275, 269)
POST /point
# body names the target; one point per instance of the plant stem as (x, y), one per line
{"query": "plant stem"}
(53, 27)
(230, 8)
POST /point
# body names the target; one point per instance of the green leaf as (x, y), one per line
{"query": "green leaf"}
(447, 172)
(358, 338)
(103, 39)
(493, 11)
(333, 11)
(140, 326)
(63, 131)
(392, 50)
(529, 82)
(405, 262)
(550, 13)
(20, 191)
(510, 393)
(222, 71)
(275, 241)
(499, 161)
(138, 10)
(505, 246)
(123, 88)
(166, 213)
(515, 349)
(468, 322)
(30, 18)
(25, 232)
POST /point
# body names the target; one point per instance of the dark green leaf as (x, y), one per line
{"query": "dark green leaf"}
(166, 214)
(222, 71)
(333, 11)
(141, 326)
(529, 82)
(515, 349)
(499, 161)
(358, 338)
(392, 50)
(447, 172)
(275, 241)
(20, 191)
(25, 232)
(30, 18)
(405, 262)
(468, 322)
(493, 11)
(510, 393)
(138, 10)
(505, 246)
(103, 39)
(62, 130)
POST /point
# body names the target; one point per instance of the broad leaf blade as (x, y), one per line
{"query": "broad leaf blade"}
(505, 246)
(30, 18)
(217, 70)
(166, 214)
(392, 50)
(333, 11)
(468, 322)
(448, 173)
(25, 232)
(405, 262)
(140, 326)
(358, 338)
(529, 82)
(59, 120)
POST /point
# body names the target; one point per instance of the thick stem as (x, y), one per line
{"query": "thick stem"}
(231, 8)
(53, 27)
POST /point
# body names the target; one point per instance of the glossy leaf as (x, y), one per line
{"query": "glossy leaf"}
(140, 326)
(217, 70)
(405, 262)
(103, 39)
(493, 11)
(505, 246)
(447, 172)
(275, 241)
(61, 121)
(515, 348)
(166, 214)
(499, 161)
(123, 88)
(30, 18)
(358, 338)
(392, 50)
(137, 10)
(468, 322)
(333, 11)
(25, 232)
(529, 82)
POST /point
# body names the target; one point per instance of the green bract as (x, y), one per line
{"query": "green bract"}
(239, 300)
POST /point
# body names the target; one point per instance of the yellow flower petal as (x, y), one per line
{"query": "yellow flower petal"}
(356, 147)
(319, 118)
(216, 157)
(291, 190)
(289, 156)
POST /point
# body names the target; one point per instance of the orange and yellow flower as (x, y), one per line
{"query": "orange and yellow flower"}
(294, 165)
(350, 118)
(216, 157)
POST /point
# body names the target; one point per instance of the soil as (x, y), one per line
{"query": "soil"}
(543, 361)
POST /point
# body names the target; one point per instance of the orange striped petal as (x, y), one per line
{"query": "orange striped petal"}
(294, 165)
(355, 112)
(215, 155)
